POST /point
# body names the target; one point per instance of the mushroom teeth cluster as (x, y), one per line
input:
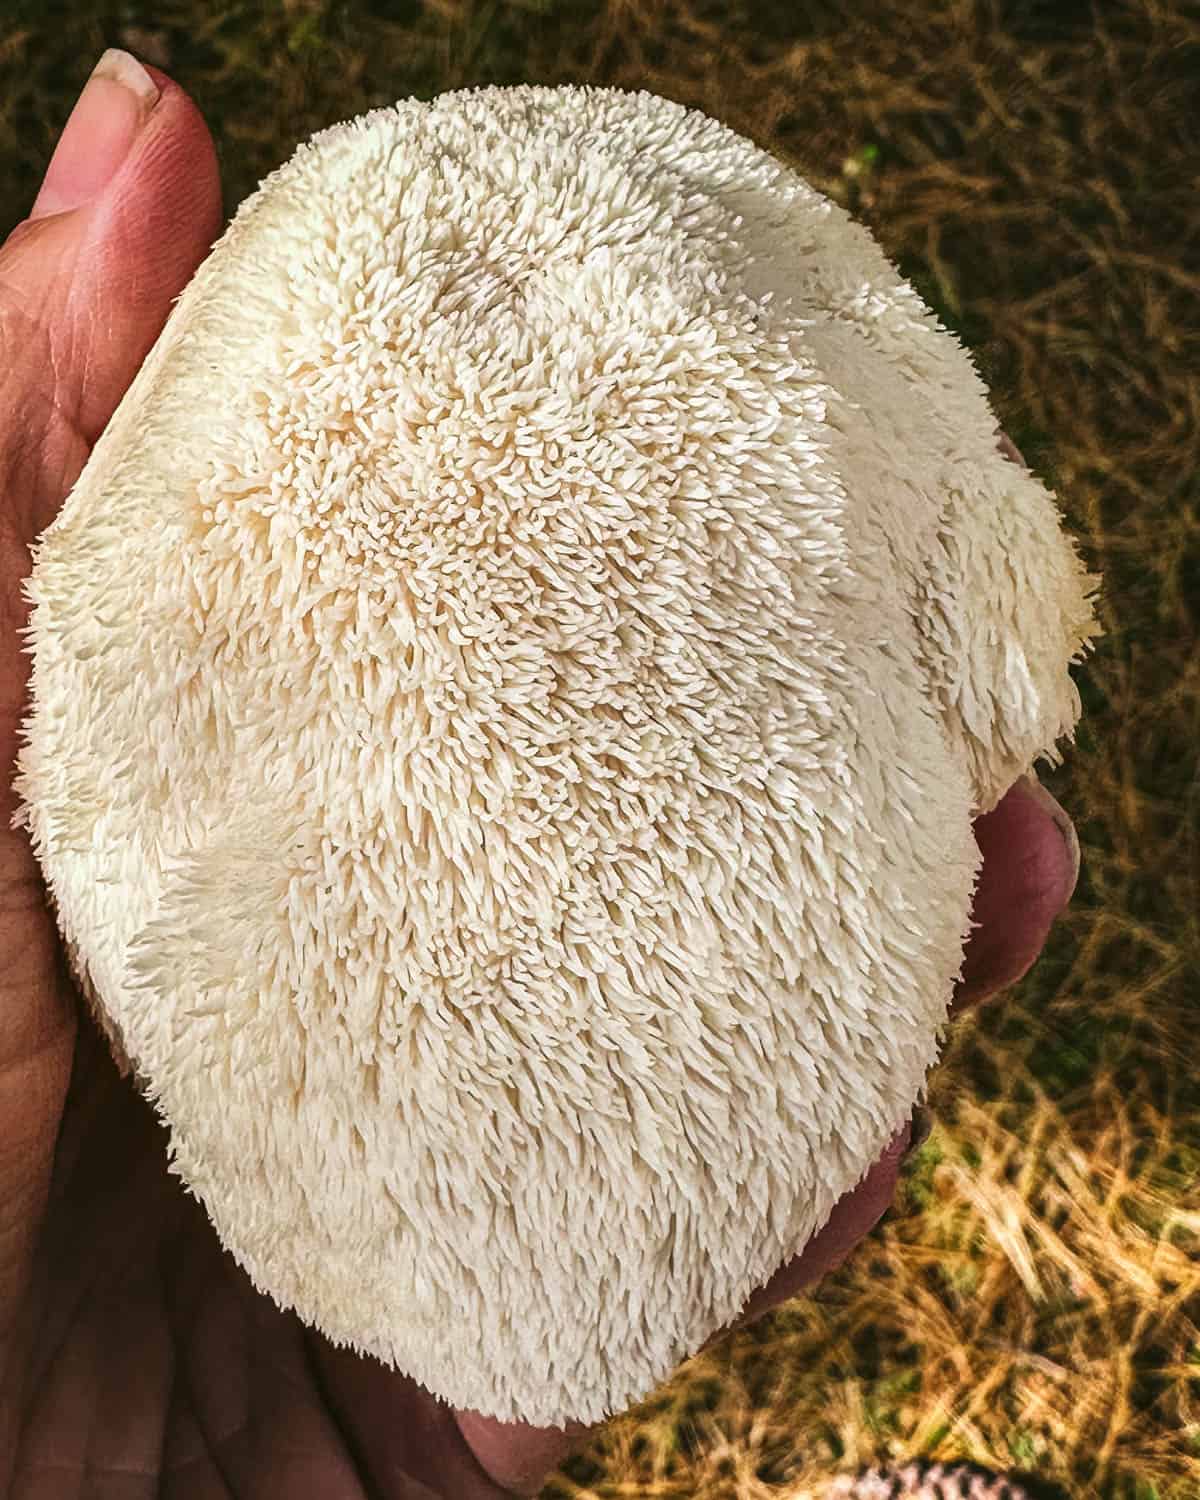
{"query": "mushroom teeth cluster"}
(511, 688)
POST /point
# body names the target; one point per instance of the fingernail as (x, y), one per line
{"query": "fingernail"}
(1034, 789)
(920, 1123)
(96, 139)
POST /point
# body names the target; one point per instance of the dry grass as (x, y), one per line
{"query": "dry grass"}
(1033, 1297)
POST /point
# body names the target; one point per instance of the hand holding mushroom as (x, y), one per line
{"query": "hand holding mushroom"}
(521, 760)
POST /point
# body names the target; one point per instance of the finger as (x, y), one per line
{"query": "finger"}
(1030, 868)
(130, 207)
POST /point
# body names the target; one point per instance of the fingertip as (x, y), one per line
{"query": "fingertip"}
(147, 235)
(1025, 883)
(176, 161)
(190, 125)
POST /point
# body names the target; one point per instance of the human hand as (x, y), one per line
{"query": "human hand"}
(136, 1358)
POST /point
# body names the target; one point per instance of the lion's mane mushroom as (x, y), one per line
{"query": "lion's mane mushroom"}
(510, 692)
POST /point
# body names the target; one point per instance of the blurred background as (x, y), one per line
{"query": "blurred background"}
(1032, 1298)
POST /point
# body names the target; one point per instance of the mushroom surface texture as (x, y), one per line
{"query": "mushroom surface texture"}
(510, 692)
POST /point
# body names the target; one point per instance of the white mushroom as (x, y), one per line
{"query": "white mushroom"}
(510, 693)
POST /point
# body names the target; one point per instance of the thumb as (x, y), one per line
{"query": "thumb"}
(130, 205)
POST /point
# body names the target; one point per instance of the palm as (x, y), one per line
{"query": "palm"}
(149, 1354)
